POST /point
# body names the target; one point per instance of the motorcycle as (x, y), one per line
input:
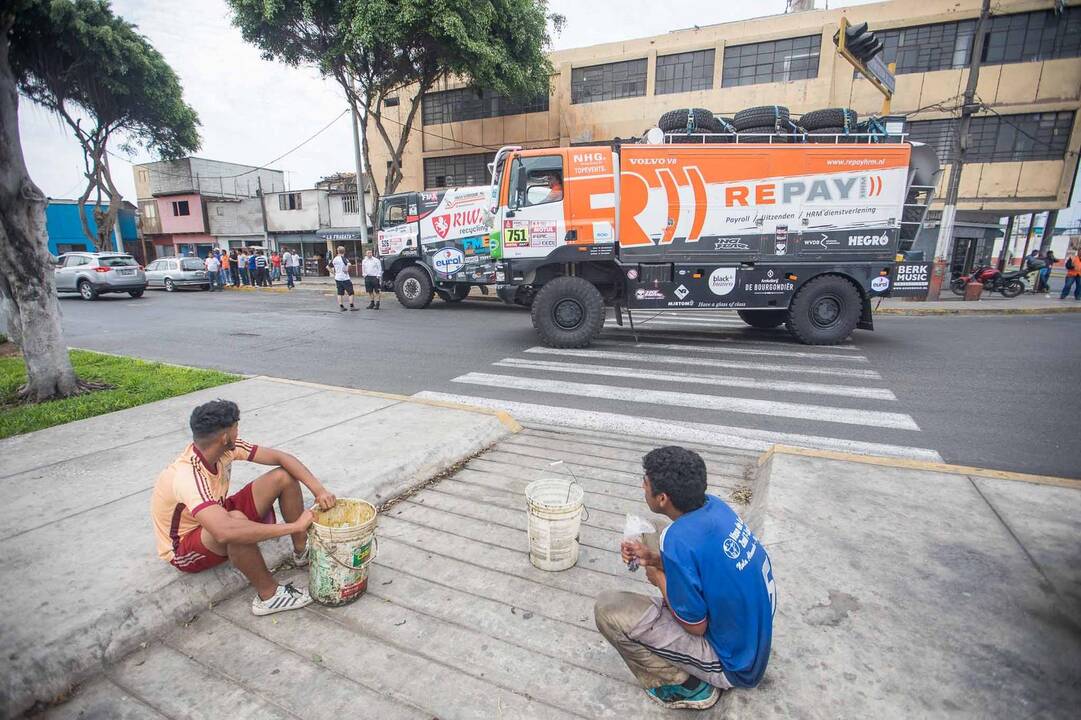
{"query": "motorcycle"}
(1010, 284)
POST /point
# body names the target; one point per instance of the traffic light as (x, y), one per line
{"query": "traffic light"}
(861, 48)
(861, 43)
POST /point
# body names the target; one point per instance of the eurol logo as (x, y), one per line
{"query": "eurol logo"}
(443, 223)
(448, 260)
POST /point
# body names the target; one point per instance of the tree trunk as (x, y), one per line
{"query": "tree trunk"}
(26, 273)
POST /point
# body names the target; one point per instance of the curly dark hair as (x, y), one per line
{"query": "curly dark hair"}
(679, 473)
(213, 417)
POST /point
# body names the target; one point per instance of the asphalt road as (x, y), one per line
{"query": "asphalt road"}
(999, 392)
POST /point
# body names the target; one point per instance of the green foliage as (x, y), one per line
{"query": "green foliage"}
(76, 55)
(135, 382)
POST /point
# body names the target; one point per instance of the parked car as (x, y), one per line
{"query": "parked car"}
(92, 274)
(177, 272)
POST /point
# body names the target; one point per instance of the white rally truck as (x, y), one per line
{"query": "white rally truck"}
(435, 243)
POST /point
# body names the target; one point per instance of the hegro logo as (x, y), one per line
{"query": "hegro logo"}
(869, 240)
(448, 261)
(722, 280)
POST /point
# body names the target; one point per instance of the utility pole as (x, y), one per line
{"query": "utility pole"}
(944, 246)
(1007, 242)
(358, 158)
(262, 207)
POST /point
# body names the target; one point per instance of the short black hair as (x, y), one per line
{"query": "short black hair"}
(679, 473)
(213, 417)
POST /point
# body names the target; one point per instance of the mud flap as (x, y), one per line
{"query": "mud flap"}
(866, 320)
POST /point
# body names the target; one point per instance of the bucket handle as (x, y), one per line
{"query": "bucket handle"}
(330, 552)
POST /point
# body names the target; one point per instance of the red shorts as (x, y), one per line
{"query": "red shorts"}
(191, 556)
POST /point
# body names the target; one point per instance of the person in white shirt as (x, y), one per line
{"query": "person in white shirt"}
(340, 267)
(287, 263)
(213, 271)
(372, 270)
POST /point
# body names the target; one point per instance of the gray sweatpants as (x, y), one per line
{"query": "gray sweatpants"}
(651, 641)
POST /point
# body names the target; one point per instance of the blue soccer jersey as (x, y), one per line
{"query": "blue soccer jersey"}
(718, 571)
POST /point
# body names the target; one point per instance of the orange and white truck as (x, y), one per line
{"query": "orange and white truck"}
(799, 234)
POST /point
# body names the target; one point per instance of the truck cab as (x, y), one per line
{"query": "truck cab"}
(435, 242)
(804, 235)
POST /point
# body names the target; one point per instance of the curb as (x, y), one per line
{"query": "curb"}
(248, 288)
(917, 312)
(904, 464)
(503, 416)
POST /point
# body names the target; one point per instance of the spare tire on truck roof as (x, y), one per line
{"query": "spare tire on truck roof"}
(829, 118)
(757, 117)
(676, 120)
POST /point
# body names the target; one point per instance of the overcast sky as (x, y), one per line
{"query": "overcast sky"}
(253, 110)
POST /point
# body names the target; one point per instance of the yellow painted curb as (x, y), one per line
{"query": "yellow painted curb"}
(502, 415)
(920, 465)
(915, 312)
(245, 288)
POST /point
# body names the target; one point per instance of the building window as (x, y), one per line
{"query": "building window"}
(928, 47)
(1033, 36)
(144, 175)
(219, 211)
(1022, 37)
(390, 101)
(290, 201)
(349, 203)
(685, 72)
(611, 81)
(149, 210)
(776, 61)
(1000, 138)
(457, 170)
(180, 207)
(466, 104)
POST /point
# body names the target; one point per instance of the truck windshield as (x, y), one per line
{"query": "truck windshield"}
(394, 211)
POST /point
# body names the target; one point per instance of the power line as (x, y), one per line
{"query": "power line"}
(264, 166)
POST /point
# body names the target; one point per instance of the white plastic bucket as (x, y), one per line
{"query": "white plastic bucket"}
(555, 516)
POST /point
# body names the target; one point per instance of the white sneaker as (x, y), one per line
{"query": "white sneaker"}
(300, 559)
(286, 597)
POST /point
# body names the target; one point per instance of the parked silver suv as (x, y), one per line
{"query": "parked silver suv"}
(92, 274)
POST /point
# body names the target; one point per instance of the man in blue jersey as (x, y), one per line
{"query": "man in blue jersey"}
(712, 626)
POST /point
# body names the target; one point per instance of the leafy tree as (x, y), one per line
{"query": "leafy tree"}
(379, 48)
(76, 58)
(103, 79)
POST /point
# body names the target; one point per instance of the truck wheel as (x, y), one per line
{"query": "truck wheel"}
(824, 311)
(568, 312)
(763, 318)
(830, 118)
(457, 293)
(676, 120)
(757, 117)
(413, 288)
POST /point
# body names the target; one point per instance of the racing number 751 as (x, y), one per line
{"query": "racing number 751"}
(771, 587)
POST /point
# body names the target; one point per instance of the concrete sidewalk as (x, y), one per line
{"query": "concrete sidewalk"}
(988, 304)
(85, 586)
(910, 590)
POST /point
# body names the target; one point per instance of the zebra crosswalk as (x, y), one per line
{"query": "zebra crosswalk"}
(701, 378)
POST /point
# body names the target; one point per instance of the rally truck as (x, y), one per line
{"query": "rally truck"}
(435, 243)
(800, 234)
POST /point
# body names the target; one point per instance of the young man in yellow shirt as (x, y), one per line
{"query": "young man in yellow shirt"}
(199, 525)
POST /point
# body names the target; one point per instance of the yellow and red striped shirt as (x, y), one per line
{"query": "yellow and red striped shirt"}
(187, 486)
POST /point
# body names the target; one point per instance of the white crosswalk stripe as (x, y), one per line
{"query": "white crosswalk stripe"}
(821, 413)
(689, 432)
(708, 362)
(721, 380)
(697, 383)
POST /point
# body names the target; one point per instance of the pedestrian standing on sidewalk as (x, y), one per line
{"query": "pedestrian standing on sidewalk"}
(372, 270)
(213, 271)
(339, 267)
(226, 266)
(253, 269)
(233, 262)
(287, 259)
(276, 266)
(712, 626)
(1073, 275)
(199, 525)
(242, 266)
(1044, 283)
(298, 264)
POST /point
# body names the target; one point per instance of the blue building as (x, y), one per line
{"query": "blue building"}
(66, 231)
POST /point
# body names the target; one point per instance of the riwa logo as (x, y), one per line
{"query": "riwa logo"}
(868, 240)
(443, 223)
